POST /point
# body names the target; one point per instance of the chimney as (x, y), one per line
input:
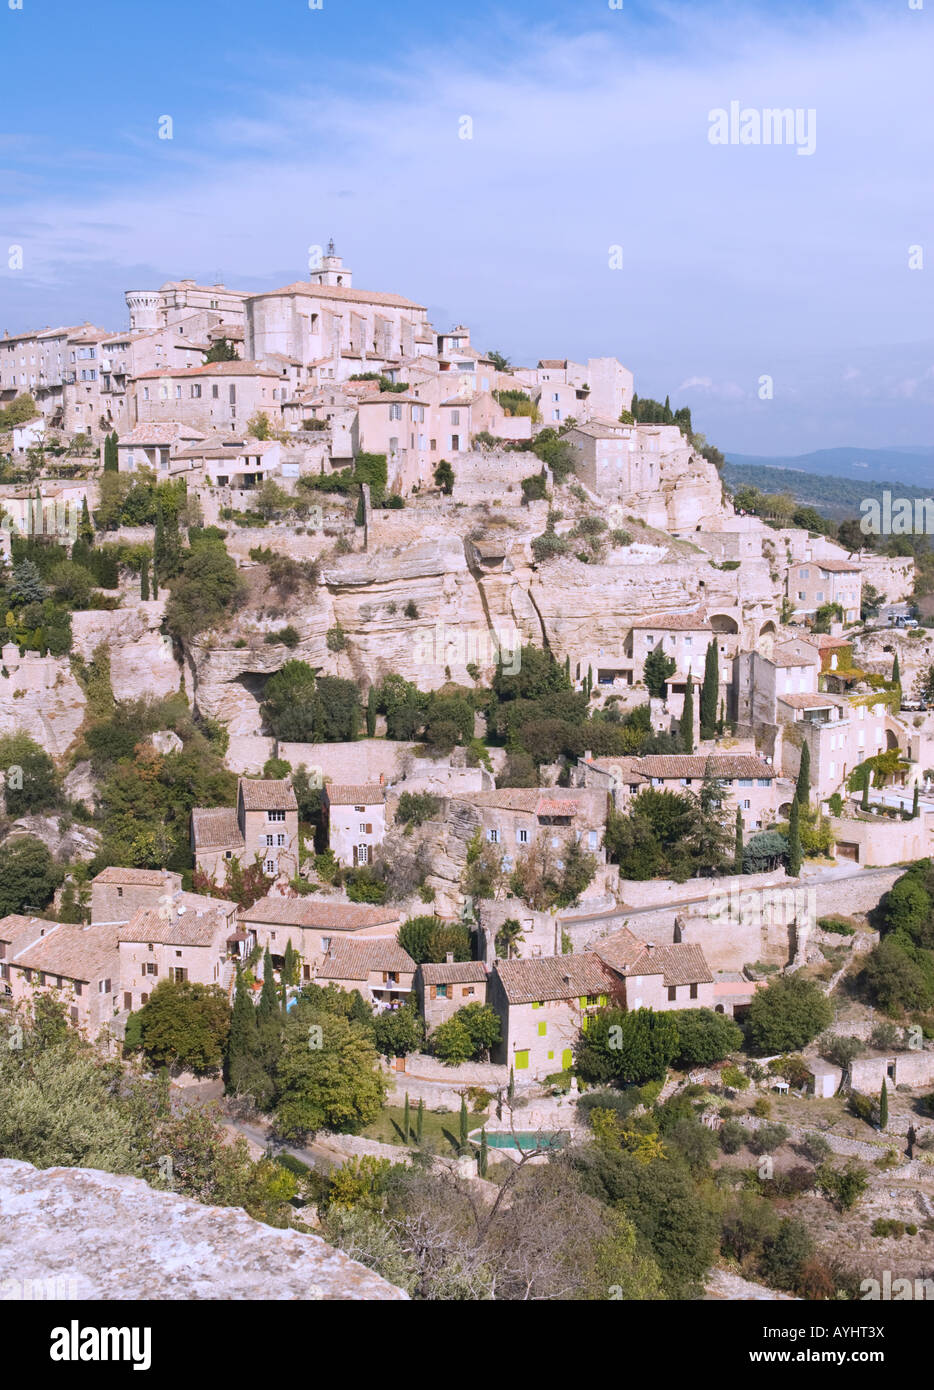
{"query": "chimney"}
(382, 779)
(649, 947)
(588, 756)
(449, 958)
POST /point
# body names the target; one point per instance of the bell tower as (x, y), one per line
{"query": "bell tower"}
(333, 271)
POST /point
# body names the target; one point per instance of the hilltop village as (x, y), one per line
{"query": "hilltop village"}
(356, 679)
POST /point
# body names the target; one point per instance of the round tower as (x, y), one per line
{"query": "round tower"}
(144, 309)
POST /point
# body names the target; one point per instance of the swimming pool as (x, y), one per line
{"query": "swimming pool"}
(525, 1140)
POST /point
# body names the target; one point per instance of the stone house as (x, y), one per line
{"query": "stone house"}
(684, 637)
(840, 733)
(520, 818)
(543, 1004)
(315, 926)
(117, 894)
(659, 977)
(759, 681)
(442, 989)
(79, 964)
(356, 820)
(745, 781)
(381, 970)
(816, 582)
(195, 938)
(264, 823)
(218, 396)
(154, 445)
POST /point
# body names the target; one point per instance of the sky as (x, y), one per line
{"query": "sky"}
(542, 172)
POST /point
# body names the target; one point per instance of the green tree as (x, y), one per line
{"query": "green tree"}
(221, 351)
(242, 1067)
(444, 477)
(704, 1037)
(335, 1085)
(144, 579)
(628, 1048)
(398, 1032)
(482, 1024)
(884, 1106)
(110, 453)
(268, 1000)
(406, 1121)
(686, 723)
(656, 670)
(803, 790)
(31, 783)
(28, 876)
(484, 1159)
(738, 845)
(896, 672)
(793, 864)
(451, 1043)
(420, 1122)
(428, 940)
(710, 691)
(787, 1015)
(371, 712)
(186, 1025)
(464, 1127)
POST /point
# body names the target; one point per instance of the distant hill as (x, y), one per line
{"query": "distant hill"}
(833, 495)
(914, 466)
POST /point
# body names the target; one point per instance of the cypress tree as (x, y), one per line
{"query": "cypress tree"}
(709, 692)
(722, 720)
(896, 672)
(867, 776)
(687, 717)
(793, 867)
(144, 579)
(86, 526)
(914, 804)
(464, 1126)
(803, 789)
(110, 452)
(567, 667)
(484, 1153)
(512, 1084)
(242, 1040)
(884, 1106)
(406, 1120)
(738, 851)
(371, 711)
(268, 1001)
(420, 1122)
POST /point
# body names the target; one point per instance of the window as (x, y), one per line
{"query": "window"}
(150, 968)
(119, 892)
(103, 986)
(763, 782)
(269, 841)
(672, 993)
(522, 1060)
(275, 815)
(455, 417)
(196, 393)
(542, 1029)
(151, 946)
(270, 866)
(746, 805)
(455, 443)
(280, 839)
(442, 991)
(745, 781)
(522, 836)
(179, 974)
(693, 991)
(214, 393)
(493, 836)
(395, 412)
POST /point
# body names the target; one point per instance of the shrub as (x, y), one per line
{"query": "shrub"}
(767, 1138)
(734, 1078)
(286, 637)
(733, 1136)
(815, 1148)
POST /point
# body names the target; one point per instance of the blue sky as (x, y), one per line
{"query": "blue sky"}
(590, 131)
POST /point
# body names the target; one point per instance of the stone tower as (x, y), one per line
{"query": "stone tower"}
(333, 271)
(144, 306)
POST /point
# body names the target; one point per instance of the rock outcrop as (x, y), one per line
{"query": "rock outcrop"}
(93, 1235)
(141, 658)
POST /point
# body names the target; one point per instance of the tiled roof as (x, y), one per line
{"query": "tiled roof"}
(529, 799)
(353, 960)
(552, 977)
(673, 622)
(836, 566)
(78, 953)
(388, 398)
(212, 369)
(216, 827)
(364, 794)
(552, 362)
(267, 795)
(699, 765)
(805, 701)
(679, 963)
(624, 769)
(454, 972)
(19, 930)
(341, 292)
(311, 911)
(166, 433)
(141, 877)
(795, 654)
(184, 925)
(620, 950)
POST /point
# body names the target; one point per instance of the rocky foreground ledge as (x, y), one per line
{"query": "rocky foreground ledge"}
(80, 1233)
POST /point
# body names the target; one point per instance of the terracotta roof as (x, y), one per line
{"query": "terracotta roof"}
(141, 877)
(353, 960)
(340, 292)
(216, 827)
(679, 963)
(530, 799)
(552, 977)
(624, 769)
(312, 911)
(553, 362)
(212, 369)
(795, 654)
(166, 433)
(184, 925)
(700, 765)
(78, 953)
(807, 701)
(673, 622)
(19, 930)
(454, 972)
(620, 950)
(267, 794)
(836, 566)
(365, 794)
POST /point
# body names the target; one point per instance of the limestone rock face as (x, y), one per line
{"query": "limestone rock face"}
(40, 697)
(77, 842)
(80, 786)
(141, 658)
(98, 1236)
(166, 741)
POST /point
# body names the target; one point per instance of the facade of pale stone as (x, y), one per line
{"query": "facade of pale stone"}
(315, 925)
(812, 584)
(177, 299)
(356, 820)
(191, 939)
(117, 893)
(442, 989)
(215, 396)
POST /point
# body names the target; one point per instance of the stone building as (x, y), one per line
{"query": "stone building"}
(117, 893)
(315, 925)
(442, 989)
(217, 396)
(194, 938)
(543, 1003)
(356, 820)
(262, 827)
(811, 585)
(381, 970)
(79, 964)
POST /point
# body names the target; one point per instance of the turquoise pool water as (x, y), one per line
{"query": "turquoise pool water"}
(525, 1140)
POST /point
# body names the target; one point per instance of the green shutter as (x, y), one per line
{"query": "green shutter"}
(522, 1060)
(536, 1004)
(602, 1001)
(542, 1029)
(567, 1059)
